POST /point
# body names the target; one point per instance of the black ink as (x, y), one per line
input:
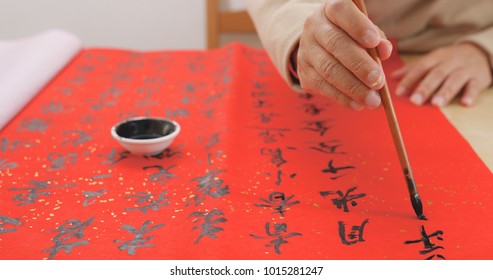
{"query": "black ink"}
(354, 236)
(59, 161)
(71, 229)
(138, 241)
(278, 237)
(5, 221)
(91, 196)
(414, 196)
(161, 175)
(276, 156)
(7, 165)
(149, 200)
(313, 109)
(33, 193)
(209, 185)
(334, 170)
(34, 125)
(209, 220)
(278, 202)
(427, 244)
(213, 141)
(114, 157)
(344, 198)
(328, 147)
(318, 126)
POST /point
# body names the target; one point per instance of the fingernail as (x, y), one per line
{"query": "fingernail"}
(371, 38)
(375, 78)
(401, 90)
(417, 99)
(373, 100)
(355, 106)
(468, 101)
(438, 101)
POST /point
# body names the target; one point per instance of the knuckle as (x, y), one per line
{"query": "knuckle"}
(355, 89)
(339, 97)
(335, 7)
(328, 68)
(321, 86)
(309, 23)
(360, 67)
(334, 42)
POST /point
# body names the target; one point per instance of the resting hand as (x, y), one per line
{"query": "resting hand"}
(444, 73)
(332, 59)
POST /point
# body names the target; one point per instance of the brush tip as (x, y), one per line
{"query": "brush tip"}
(417, 206)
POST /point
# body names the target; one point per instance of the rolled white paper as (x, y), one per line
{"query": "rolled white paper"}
(28, 64)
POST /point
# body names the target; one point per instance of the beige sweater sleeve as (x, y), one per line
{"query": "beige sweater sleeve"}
(279, 24)
(418, 25)
(484, 40)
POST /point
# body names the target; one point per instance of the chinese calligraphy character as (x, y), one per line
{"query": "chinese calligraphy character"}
(213, 140)
(113, 157)
(138, 241)
(328, 147)
(313, 109)
(278, 202)
(5, 221)
(6, 165)
(334, 170)
(70, 230)
(318, 126)
(209, 220)
(90, 196)
(344, 198)
(148, 199)
(80, 137)
(210, 185)
(276, 156)
(428, 245)
(278, 236)
(162, 173)
(33, 193)
(59, 161)
(34, 125)
(354, 236)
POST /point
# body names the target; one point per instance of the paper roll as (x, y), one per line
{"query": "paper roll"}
(28, 64)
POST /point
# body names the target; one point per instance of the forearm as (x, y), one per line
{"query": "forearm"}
(279, 24)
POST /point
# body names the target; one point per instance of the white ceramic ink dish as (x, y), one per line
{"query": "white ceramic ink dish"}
(145, 136)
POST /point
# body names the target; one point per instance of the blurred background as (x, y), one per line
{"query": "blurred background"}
(129, 24)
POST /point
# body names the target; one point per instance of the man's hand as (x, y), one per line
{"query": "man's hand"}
(332, 59)
(445, 73)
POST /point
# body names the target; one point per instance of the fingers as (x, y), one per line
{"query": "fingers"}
(351, 55)
(444, 74)
(319, 66)
(333, 58)
(430, 84)
(451, 87)
(411, 76)
(348, 17)
(385, 49)
(313, 83)
(471, 93)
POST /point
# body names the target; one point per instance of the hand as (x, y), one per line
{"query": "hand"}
(445, 73)
(332, 59)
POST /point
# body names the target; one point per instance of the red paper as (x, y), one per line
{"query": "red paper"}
(257, 172)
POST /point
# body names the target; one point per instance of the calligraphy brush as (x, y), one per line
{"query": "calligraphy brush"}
(396, 134)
